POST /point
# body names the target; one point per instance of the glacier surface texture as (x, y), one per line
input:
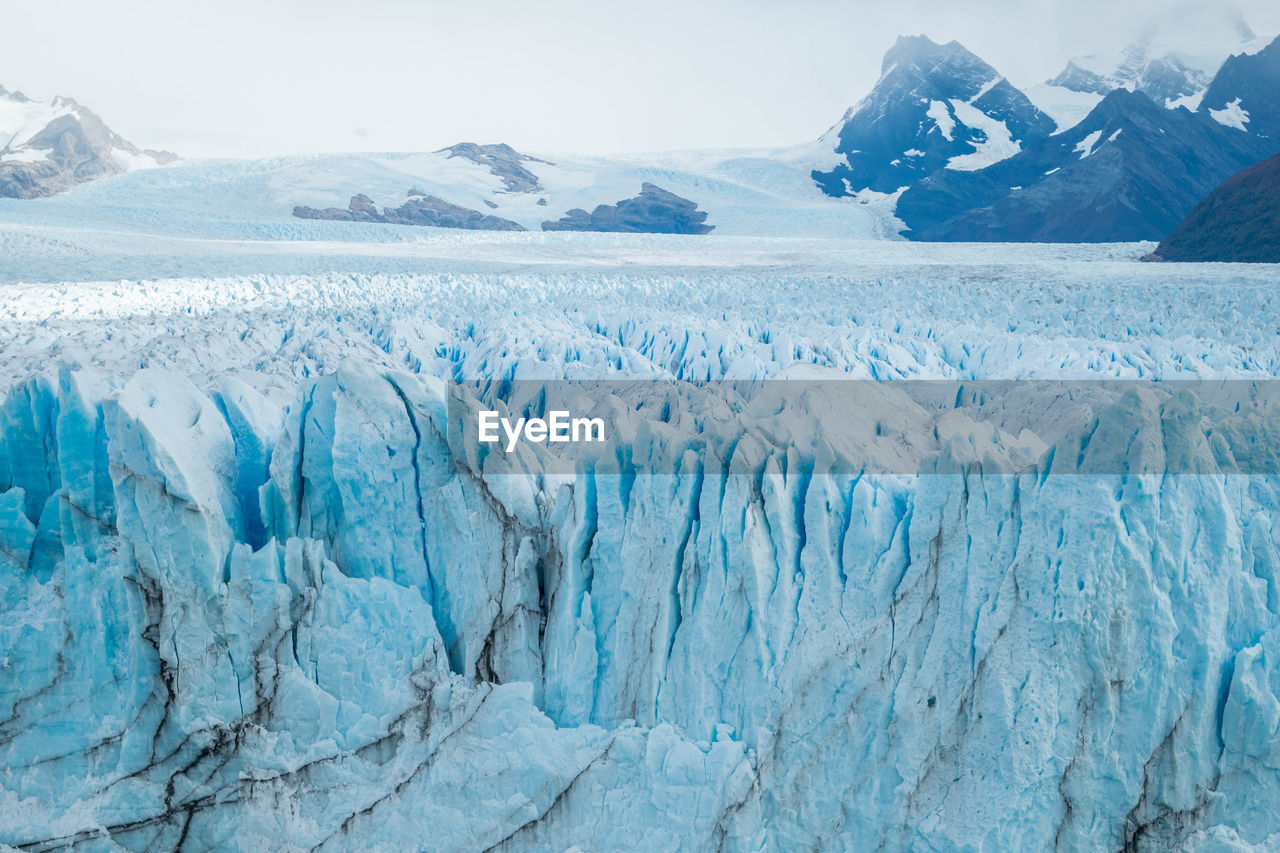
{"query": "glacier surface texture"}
(257, 597)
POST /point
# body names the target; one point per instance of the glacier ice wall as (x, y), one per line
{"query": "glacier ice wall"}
(230, 623)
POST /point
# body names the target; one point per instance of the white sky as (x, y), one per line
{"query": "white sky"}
(256, 77)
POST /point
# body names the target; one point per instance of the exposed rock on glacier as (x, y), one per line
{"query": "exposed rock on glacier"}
(653, 211)
(1173, 60)
(342, 624)
(503, 162)
(420, 209)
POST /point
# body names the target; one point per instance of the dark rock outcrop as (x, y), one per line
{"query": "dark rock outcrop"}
(653, 211)
(360, 209)
(1238, 221)
(435, 211)
(420, 209)
(364, 206)
(1157, 64)
(503, 161)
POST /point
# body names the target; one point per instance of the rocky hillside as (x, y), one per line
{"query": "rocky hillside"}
(1238, 221)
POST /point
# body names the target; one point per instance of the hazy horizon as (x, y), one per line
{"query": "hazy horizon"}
(244, 79)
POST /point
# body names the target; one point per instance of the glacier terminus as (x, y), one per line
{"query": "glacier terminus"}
(258, 595)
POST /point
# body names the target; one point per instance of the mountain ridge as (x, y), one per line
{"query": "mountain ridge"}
(52, 146)
(943, 147)
(1129, 171)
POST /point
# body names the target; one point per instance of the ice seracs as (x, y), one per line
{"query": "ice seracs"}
(262, 591)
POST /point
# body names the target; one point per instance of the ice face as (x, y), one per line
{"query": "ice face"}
(248, 608)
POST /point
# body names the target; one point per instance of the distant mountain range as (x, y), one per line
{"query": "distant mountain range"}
(969, 157)
(653, 211)
(935, 107)
(1238, 221)
(419, 209)
(944, 147)
(47, 147)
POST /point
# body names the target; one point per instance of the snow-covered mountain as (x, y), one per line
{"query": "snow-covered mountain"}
(1130, 170)
(50, 146)
(935, 106)
(967, 156)
(1172, 62)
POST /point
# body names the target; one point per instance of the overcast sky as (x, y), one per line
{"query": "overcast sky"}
(256, 77)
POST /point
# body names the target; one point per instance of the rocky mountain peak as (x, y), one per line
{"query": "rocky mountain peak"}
(49, 147)
(936, 106)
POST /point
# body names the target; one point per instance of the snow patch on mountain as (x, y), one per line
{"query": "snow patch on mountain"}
(1190, 102)
(25, 155)
(1065, 106)
(1085, 146)
(942, 118)
(996, 144)
(1232, 115)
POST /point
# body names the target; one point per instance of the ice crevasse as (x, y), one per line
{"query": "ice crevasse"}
(228, 626)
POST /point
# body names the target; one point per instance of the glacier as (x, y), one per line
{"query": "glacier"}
(751, 192)
(259, 595)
